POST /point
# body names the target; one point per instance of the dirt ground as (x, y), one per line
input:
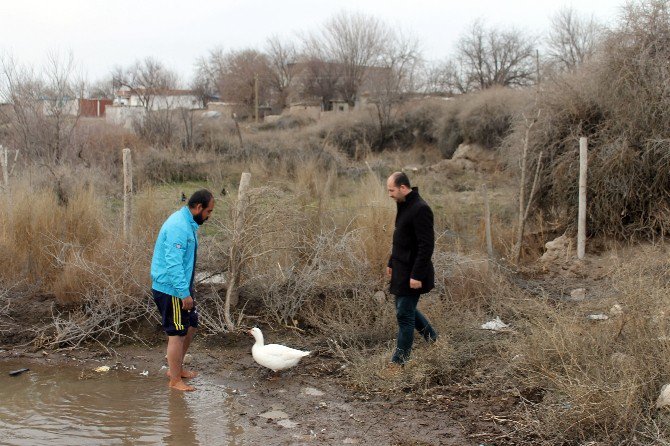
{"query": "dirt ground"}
(308, 405)
(313, 404)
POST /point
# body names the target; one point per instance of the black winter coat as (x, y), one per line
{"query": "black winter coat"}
(413, 244)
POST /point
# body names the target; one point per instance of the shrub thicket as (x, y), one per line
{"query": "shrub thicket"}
(620, 103)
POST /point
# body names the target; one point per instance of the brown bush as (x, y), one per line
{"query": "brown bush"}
(600, 379)
(619, 103)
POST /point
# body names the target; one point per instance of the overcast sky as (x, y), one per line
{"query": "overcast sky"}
(103, 34)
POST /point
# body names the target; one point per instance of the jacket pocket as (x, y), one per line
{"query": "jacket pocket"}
(401, 255)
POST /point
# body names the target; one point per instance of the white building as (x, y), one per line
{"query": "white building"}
(158, 100)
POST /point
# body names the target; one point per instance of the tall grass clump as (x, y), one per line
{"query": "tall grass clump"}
(620, 102)
(73, 255)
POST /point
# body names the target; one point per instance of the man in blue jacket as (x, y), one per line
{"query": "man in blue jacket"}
(172, 274)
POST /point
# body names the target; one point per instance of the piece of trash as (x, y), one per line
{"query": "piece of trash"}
(312, 391)
(145, 373)
(102, 369)
(597, 317)
(495, 324)
(188, 358)
(578, 294)
(274, 415)
(616, 310)
(163, 367)
(17, 372)
(288, 424)
(664, 398)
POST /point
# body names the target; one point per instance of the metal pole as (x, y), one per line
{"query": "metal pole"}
(581, 218)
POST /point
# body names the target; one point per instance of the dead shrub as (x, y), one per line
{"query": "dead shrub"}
(32, 234)
(449, 134)
(173, 166)
(346, 131)
(486, 117)
(600, 379)
(619, 102)
(107, 290)
(421, 120)
(288, 121)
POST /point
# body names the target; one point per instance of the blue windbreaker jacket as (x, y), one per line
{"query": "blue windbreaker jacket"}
(174, 255)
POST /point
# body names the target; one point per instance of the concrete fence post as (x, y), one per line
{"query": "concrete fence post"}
(487, 222)
(581, 218)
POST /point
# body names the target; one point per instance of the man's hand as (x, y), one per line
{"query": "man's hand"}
(388, 271)
(415, 284)
(187, 304)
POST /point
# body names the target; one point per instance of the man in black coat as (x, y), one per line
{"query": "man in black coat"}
(410, 266)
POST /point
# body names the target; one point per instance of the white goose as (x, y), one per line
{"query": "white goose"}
(274, 356)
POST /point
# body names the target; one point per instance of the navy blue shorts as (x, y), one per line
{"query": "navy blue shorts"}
(175, 319)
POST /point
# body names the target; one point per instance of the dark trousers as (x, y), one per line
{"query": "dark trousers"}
(410, 318)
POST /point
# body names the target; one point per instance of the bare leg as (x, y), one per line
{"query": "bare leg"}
(175, 355)
(187, 343)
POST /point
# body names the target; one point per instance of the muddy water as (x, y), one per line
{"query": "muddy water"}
(73, 406)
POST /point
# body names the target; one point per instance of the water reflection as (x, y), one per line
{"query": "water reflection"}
(54, 406)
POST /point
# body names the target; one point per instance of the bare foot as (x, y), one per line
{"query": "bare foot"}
(179, 385)
(188, 374)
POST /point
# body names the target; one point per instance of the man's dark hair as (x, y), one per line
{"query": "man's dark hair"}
(400, 179)
(202, 196)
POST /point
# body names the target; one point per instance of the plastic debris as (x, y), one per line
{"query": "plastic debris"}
(597, 317)
(578, 294)
(496, 325)
(288, 424)
(17, 372)
(102, 369)
(616, 310)
(664, 398)
(145, 373)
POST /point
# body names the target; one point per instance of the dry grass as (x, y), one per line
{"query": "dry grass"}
(601, 378)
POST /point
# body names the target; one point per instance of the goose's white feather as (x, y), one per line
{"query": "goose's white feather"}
(274, 356)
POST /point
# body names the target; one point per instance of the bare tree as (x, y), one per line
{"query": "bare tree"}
(281, 68)
(208, 71)
(393, 78)
(435, 78)
(319, 79)
(146, 79)
(237, 80)
(489, 56)
(102, 88)
(152, 83)
(354, 41)
(572, 39)
(44, 108)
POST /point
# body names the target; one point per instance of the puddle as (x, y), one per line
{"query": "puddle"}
(54, 405)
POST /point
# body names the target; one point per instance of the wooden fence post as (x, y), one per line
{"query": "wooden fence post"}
(581, 217)
(4, 161)
(487, 221)
(127, 191)
(236, 249)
